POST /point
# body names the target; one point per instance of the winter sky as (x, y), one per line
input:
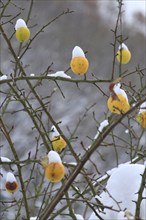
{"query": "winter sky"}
(133, 6)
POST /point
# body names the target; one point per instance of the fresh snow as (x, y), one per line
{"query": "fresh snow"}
(121, 192)
(102, 125)
(10, 177)
(3, 77)
(119, 91)
(20, 23)
(54, 132)
(127, 131)
(33, 218)
(142, 107)
(54, 157)
(123, 46)
(77, 52)
(32, 74)
(5, 159)
(72, 163)
(59, 74)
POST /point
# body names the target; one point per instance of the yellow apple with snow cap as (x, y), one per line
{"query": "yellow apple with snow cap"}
(55, 170)
(123, 54)
(58, 143)
(118, 101)
(22, 32)
(79, 63)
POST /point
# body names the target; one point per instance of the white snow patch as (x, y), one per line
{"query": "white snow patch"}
(54, 132)
(5, 159)
(32, 74)
(3, 77)
(79, 217)
(102, 125)
(20, 23)
(122, 187)
(123, 46)
(10, 177)
(34, 218)
(77, 52)
(59, 74)
(127, 131)
(119, 91)
(54, 157)
(142, 107)
(72, 163)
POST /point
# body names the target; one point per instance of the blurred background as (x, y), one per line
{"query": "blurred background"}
(81, 107)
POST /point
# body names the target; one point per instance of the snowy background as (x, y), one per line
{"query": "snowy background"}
(89, 27)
